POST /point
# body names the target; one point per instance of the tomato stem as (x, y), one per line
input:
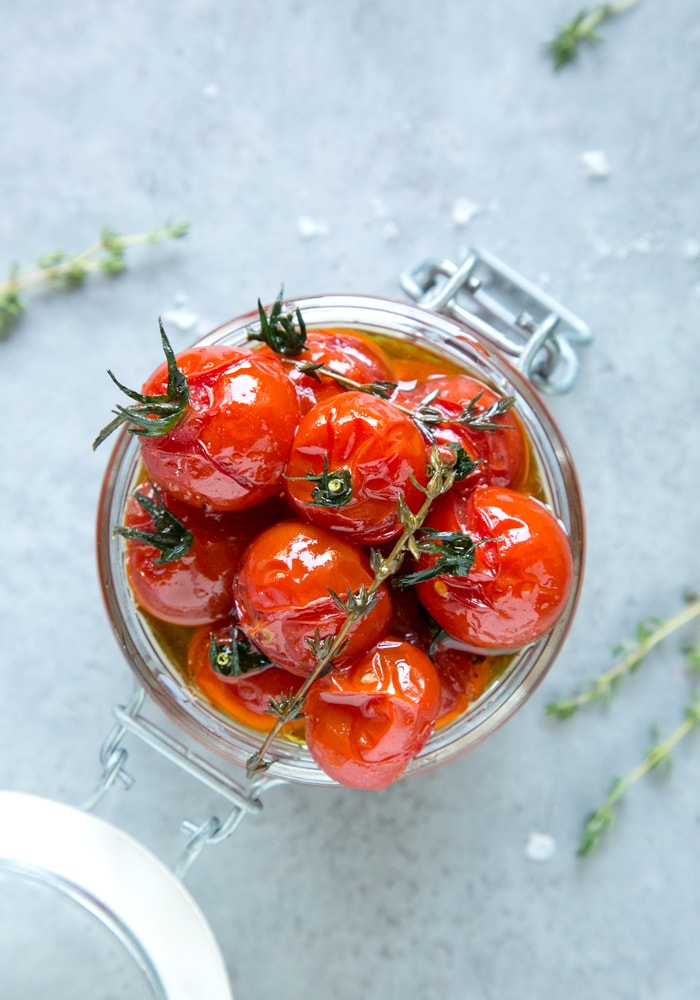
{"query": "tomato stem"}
(169, 534)
(152, 416)
(279, 331)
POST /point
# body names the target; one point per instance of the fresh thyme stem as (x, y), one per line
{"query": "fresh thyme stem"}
(604, 684)
(583, 28)
(61, 270)
(659, 754)
(441, 479)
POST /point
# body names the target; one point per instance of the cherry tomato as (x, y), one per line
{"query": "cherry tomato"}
(229, 449)
(501, 450)
(347, 353)
(365, 721)
(245, 697)
(182, 561)
(282, 594)
(353, 456)
(521, 576)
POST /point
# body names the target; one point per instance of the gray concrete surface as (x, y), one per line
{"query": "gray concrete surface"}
(328, 145)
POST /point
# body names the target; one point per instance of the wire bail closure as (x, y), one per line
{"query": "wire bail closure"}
(113, 757)
(508, 311)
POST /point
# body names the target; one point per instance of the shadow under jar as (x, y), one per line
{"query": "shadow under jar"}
(406, 330)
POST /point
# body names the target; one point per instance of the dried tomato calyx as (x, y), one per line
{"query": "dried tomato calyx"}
(169, 534)
(280, 331)
(464, 464)
(152, 416)
(235, 656)
(455, 552)
(332, 489)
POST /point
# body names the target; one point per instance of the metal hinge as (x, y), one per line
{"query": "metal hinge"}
(511, 313)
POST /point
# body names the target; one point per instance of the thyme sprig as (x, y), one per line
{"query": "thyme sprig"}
(657, 757)
(424, 415)
(441, 478)
(583, 30)
(649, 634)
(62, 270)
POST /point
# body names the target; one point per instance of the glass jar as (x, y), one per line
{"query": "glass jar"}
(462, 344)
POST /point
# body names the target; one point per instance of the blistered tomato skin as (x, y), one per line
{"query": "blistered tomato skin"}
(196, 587)
(282, 594)
(230, 449)
(373, 442)
(347, 353)
(522, 574)
(246, 697)
(502, 453)
(366, 721)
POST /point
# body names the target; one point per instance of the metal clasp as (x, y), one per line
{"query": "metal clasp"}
(508, 311)
(113, 758)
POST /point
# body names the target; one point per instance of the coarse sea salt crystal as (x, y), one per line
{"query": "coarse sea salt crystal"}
(540, 847)
(464, 210)
(310, 229)
(596, 164)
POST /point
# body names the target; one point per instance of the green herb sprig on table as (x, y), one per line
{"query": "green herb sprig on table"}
(649, 634)
(583, 30)
(62, 271)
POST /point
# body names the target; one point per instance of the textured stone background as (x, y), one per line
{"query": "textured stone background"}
(328, 146)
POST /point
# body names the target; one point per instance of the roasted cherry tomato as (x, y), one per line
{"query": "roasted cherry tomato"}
(216, 425)
(483, 423)
(521, 575)
(282, 594)
(353, 456)
(246, 696)
(365, 721)
(182, 561)
(348, 353)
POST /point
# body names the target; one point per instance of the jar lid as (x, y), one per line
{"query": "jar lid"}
(123, 885)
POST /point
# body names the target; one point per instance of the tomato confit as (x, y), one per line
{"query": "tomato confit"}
(340, 541)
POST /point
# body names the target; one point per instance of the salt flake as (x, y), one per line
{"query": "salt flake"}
(596, 164)
(309, 229)
(540, 847)
(463, 211)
